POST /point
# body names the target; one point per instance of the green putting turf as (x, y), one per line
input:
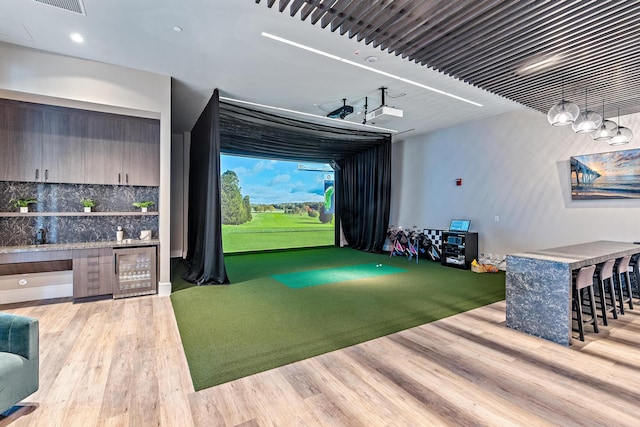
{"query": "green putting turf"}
(257, 323)
(304, 279)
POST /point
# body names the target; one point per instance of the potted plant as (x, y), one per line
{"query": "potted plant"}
(143, 205)
(88, 204)
(23, 204)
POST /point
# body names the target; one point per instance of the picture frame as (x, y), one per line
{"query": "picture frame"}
(611, 175)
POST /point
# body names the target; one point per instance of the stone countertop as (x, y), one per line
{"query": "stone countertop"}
(83, 245)
(582, 254)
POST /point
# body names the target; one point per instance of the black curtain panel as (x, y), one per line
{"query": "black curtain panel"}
(248, 132)
(364, 197)
(205, 259)
(363, 184)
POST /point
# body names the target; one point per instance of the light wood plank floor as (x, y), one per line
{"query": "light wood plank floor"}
(121, 363)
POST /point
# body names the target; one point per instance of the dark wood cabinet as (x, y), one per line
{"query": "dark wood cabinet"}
(93, 272)
(103, 150)
(43, 143)
(459, 249)
(21, 129)
(63, 142)
(141, 152)
(122, 151)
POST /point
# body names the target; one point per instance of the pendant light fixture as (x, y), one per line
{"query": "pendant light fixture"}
(563, 113)
(588, 120)
(605, 131)
(621, 134)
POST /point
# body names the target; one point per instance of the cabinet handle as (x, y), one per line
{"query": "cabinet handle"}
(46, 174)
(126, 175)
(119, 179)
(37, 174)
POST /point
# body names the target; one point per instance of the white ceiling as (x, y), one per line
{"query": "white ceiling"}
(221, 46)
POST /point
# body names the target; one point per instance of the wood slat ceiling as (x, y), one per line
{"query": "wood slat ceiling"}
(522, 50)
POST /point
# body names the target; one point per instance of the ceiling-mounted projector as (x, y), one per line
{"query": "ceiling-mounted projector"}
(383, 112)
(342, 112)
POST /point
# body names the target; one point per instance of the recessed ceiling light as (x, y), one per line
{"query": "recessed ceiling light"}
(356, 64)
(371, 58)
(177, 29)
(77, 37)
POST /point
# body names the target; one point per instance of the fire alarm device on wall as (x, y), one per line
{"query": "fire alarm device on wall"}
(458, 181)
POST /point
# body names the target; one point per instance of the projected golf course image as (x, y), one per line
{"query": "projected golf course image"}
(274, 204)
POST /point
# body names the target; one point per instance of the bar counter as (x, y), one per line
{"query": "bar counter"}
(538, 286)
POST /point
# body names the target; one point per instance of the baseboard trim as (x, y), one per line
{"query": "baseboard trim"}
(164, 289)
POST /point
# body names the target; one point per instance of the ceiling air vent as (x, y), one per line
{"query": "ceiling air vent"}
(70, 5)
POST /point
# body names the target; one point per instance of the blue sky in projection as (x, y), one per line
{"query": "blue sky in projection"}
(276, 181)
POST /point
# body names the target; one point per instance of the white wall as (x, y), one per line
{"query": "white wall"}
(180, 145)
(515, 166)
(36, 76)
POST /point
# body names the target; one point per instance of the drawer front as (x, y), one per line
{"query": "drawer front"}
(92, 272)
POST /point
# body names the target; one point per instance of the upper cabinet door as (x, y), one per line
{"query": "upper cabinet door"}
(20, 142)
(103, 150)
(64, 137)
(141, 162)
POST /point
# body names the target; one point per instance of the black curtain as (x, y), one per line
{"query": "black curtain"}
(363, 185)
(248, 132)
(205, 259)
(364, 197)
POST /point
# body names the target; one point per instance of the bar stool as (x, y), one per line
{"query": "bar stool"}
(634, 274)
(605, 290)
(583, 282)
(624, 292)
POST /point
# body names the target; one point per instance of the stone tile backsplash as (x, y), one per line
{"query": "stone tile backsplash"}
(22, 230)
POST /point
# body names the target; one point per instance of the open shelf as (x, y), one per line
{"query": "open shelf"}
(136, 213)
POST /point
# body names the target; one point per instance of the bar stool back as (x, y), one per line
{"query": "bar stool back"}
(624, 291)
(583, 286)
(605, 290)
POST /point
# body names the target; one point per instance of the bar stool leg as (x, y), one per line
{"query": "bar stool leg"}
(577, 307)
(592, 304)
(618, 286)
(627, 282)
(603, 302)
(612, 297)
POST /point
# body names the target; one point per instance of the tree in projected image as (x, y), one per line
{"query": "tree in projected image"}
(235, 209)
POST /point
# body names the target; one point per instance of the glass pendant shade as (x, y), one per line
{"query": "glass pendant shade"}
(563, 113)
(588, 121)
(605, 132)
(622, 135)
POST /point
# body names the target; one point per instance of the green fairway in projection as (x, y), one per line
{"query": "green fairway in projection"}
(304, 279)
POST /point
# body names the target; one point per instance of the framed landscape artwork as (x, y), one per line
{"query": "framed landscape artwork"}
(614, 175)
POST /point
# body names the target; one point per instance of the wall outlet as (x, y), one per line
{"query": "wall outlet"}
(496, 218)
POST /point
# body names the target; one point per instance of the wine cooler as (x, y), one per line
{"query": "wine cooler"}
(135, 270)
